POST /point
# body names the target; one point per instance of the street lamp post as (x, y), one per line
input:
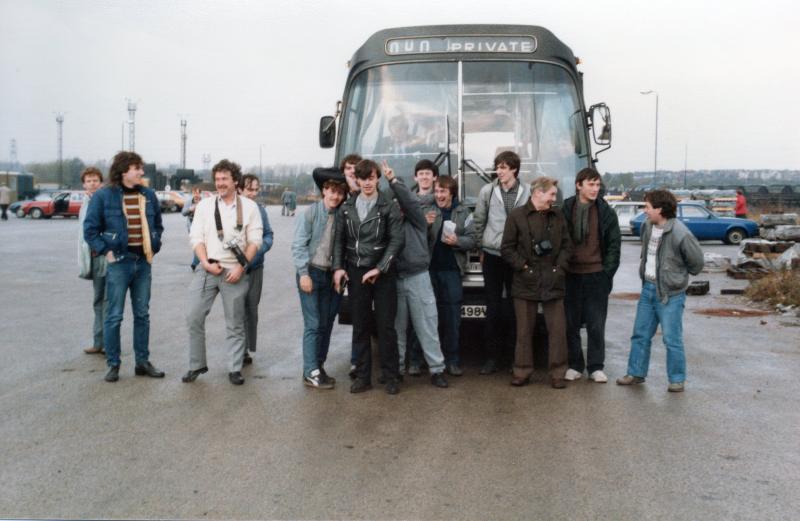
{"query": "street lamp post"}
(655, 153)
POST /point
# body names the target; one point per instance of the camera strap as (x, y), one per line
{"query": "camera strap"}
(218, 218)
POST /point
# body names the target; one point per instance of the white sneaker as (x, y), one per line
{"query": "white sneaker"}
(598, 376)
(571, 375)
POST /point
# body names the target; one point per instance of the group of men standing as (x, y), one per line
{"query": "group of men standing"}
(402, 255)
(382, 246)
(121, 233)
(562, 259)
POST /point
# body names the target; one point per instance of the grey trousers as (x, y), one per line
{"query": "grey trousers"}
(415, 299)
(251, 308)
(202, 291)
(99, 302)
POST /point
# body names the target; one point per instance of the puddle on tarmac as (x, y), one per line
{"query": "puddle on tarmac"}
(732, 312)
(625, 296)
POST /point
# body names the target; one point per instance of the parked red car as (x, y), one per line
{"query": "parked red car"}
(67, 204)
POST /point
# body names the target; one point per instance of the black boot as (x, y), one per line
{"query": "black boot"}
(192, 374)
(147, 369)
(113, 374)
(438, 380)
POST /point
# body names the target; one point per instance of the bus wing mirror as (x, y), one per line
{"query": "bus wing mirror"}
(600, 120)
(327, 131)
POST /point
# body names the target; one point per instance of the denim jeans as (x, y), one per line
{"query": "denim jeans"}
(99, 303)
(651, 312)
(586, 302)
(130, 272)
(449, 297)
(319, 312)
(415, 300)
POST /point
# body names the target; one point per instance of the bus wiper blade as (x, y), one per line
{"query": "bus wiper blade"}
(478, 170)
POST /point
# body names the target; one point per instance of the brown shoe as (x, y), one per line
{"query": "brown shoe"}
(94, 351)
(558, 383)
(518, 381)
(630, 380)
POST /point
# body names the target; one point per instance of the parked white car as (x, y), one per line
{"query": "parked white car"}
(626, 211)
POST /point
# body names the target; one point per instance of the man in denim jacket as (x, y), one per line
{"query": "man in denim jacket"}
(669, 254)
(123, 223)
(312, 255)
(249, 188)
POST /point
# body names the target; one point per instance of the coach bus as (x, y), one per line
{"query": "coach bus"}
(459, 95)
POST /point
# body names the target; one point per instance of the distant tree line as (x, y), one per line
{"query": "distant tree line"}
(698, 178)
(295, 176)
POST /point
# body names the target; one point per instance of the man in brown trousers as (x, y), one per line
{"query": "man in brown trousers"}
(537, 246)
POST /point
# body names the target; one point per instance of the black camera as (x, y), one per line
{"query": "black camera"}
(542, 248)
(233, 245)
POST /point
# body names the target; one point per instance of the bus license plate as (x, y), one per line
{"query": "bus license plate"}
(473, 267)
(473, 311)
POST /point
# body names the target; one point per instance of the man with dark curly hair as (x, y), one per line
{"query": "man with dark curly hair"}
(123, 222)
(670, 253)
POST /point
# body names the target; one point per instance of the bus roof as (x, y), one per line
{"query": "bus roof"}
(459, 42)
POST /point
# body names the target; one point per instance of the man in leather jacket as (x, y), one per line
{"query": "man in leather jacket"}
(368, 237)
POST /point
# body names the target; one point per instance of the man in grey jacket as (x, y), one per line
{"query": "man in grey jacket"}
(415, 298)
(669, 254)
(93, 266)
(495, 202)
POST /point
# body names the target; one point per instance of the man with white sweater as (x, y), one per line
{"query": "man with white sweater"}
(225, 235)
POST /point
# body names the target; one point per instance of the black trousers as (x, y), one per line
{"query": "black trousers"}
(586, 302)
(383, 296)
(500, 331)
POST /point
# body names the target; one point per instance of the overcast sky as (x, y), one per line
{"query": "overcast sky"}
(246, 74)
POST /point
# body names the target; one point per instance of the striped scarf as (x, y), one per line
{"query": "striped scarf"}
(133, 205)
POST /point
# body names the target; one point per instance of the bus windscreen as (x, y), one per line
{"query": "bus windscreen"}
(402, 113)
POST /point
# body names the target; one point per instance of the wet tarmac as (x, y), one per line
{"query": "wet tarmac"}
(73, 446)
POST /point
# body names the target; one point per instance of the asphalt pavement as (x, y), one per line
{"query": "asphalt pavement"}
(74, 446)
